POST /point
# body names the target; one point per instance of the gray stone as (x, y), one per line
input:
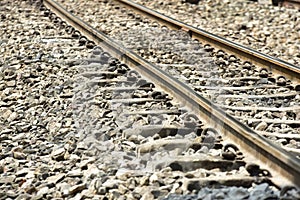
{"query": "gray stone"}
(11, 83)
(22, 172)
(238, 193)
(87, 193)
(24, 196)
(261, 126)
(81, 145)
(6, 114)
(19, 155)
(77, 197)
(122, 189)
(101, 190)
(77, 188)
(7, 179)
(114, 194)
(74, 157)
(58, 154)
(261, 187)
(159, 193)
(123, 174)
(144, 181)
(147, 196)
(12, 117)
(153, 178)
(92, 172)
(64, 188)
(75, 173)
(55, 179)
(41, 192)
(11, 194)
(84, 163)
(111, 184)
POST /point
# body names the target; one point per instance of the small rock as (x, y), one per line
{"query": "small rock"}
(153, 178)
(238, 193)
(41, 192)
(12, 117)
(84, 163)
(142, 190)
(74, 157)
(101, 190)
(87, 193)
(147, 196)
(261, 126)
(24, 196)
(11, 194)
(159, 193)
(29, 188)
(30, 175)
(111, 184)
(22, 172)
(81, 145)
(77, 197)
(11, 83)
(18, 153)
(267, 33)
(6, 131)
(91, 172)
(64, 188)
(59, 166)
(123, 174)
(122, 189)
(261, 187)
(114, 194)
(204, 149)
(77, 188)
(58, 154)
(144, 181)
(7, 179)
(55, 179)
(6, 114)
(75, 173)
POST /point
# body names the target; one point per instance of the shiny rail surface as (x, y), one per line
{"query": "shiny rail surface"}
(273, 64)
(279, 162)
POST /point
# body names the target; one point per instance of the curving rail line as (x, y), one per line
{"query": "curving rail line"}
(278, 161)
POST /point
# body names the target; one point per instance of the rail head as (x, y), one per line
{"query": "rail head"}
(262, 149)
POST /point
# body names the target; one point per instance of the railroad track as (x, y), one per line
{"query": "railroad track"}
(239, 22)
(222, 77)
(272, 64)
(281, 71)
(238, 133)
(162, 137)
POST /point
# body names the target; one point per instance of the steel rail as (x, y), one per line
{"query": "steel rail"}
(273, 64)
(277, 160)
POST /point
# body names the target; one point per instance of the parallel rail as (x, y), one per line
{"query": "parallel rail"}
(279, 162)
(273, 64)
